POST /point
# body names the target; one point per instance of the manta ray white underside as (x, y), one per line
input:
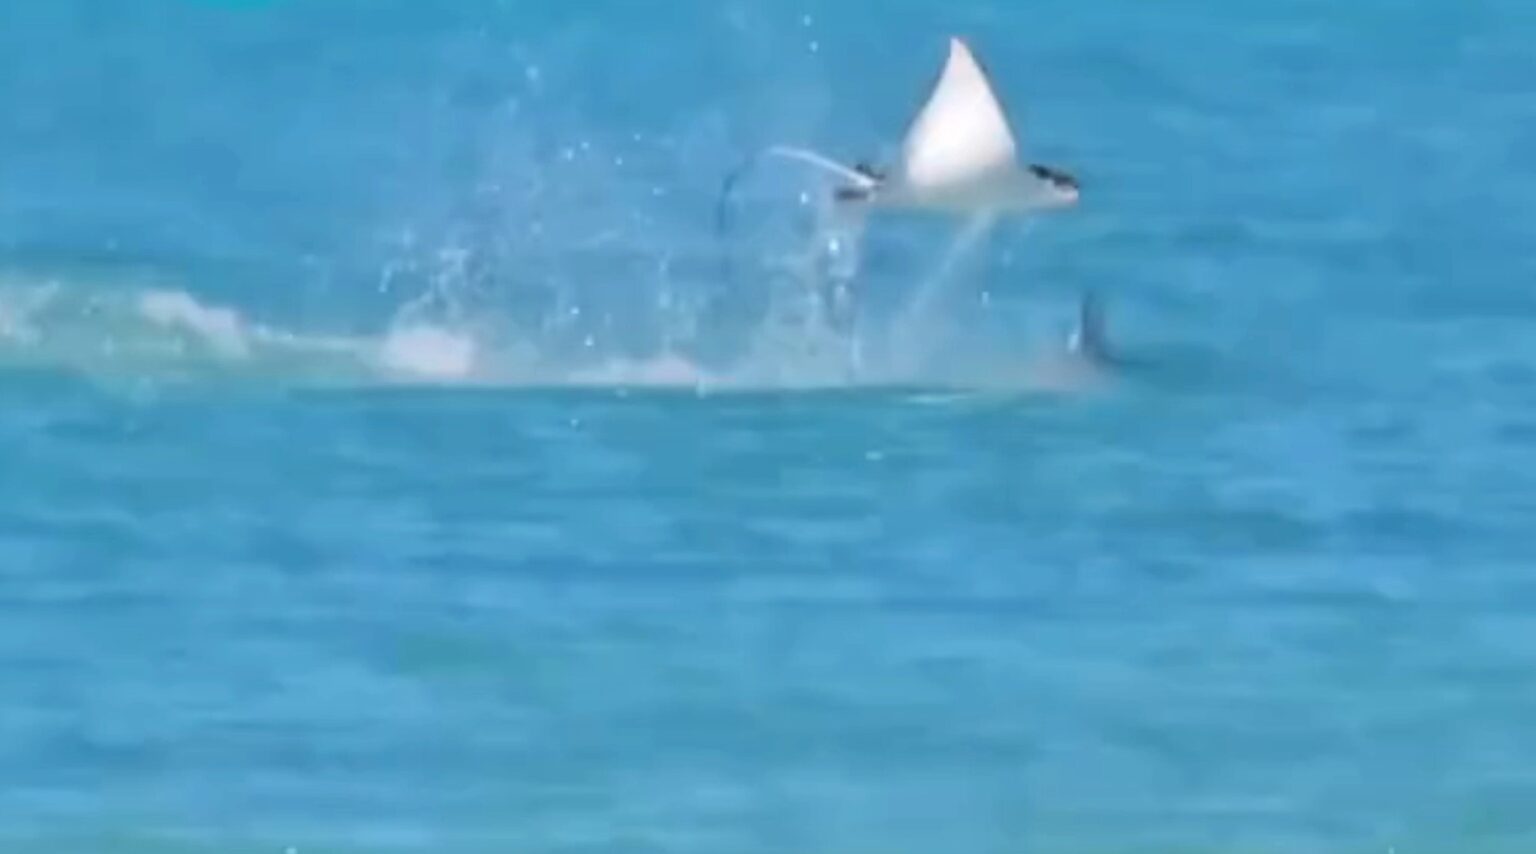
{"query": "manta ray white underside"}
(960, 155)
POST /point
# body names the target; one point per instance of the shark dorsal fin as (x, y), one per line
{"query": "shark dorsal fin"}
(961, 134)
(1088, 336)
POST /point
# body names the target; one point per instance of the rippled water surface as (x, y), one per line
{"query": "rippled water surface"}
(396, 455)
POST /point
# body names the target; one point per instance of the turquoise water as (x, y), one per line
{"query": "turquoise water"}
(394, 457)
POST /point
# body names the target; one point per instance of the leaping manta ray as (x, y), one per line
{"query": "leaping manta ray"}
(960, 157)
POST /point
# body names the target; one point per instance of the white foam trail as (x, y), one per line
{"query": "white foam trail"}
(116, 331)
(221, 328)
(665, 371)
(428, 352)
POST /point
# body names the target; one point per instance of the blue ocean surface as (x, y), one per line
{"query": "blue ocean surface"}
(402, 450)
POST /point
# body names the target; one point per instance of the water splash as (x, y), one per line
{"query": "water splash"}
(918, 327)
(429, 353)
(161, 333)
(586, 277)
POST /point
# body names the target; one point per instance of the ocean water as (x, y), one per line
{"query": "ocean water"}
(397, 453)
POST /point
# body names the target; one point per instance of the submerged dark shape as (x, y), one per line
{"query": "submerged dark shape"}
(852, 194)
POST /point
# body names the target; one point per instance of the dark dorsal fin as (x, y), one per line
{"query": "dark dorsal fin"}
(1088, 338)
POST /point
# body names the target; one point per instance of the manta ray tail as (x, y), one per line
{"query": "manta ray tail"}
(862, 180)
